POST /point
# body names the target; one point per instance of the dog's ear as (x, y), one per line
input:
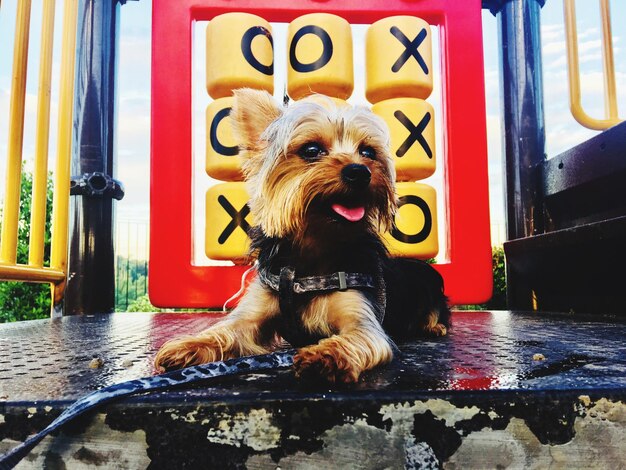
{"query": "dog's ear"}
(253, 111)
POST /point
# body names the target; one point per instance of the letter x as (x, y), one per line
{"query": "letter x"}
(415, 134)
(239, 219)
(411, 49)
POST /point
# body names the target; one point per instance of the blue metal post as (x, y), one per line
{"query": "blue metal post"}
(91, 276)
(523, 118)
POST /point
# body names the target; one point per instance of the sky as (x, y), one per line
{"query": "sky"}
(133, 132)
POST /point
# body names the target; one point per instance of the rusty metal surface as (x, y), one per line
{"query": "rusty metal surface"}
(49, 360)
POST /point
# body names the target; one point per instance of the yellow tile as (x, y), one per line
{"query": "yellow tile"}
(412, 127)
(227, 222)
(319, 48)
(239, 53)
(398, 59)
(414, 234)
(222, 154)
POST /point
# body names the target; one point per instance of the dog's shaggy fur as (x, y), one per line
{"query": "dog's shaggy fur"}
(321, 184)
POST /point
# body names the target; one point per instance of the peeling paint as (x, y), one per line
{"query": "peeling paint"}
(427, 433)
(357, 445)
(189, 417)
(98, 447)
(401, 414)
(514, 447)
(609, 410)
(597, 443)
(599, 439)
(254, 430)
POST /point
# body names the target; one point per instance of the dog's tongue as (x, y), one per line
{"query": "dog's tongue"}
(353, 214)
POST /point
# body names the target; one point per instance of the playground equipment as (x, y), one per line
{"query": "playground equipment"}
(84, 158)
(35, 271)
(547, 200)
(397, 95)
(566, 216)
(398, 82)
(503, 389)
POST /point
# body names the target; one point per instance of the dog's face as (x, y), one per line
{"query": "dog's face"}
(314, 164)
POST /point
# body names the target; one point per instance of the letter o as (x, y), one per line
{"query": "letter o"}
(324, 58)
(246, 49)
(428, 221)
(234, 59)
(320, 56)
(414, 232)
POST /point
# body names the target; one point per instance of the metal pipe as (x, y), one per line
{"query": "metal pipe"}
(61, 196)
(40, 174)
(91, 276)
(11, 209)
(523, 118)
(610, 92)
(523, 130)
(33, 274)
(573, 69)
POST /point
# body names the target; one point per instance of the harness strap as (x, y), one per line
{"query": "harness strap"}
(336, 281)
(287, 285)
(286, 290)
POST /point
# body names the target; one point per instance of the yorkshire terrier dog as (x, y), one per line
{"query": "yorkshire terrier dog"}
(321, 182)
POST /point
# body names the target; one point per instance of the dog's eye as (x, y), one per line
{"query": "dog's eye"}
(368, 152)
(312, 151)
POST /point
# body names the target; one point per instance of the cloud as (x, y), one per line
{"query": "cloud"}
(550, 32)
(134, 65)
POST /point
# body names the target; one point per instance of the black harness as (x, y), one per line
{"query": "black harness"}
(286, 282)
(293, 292)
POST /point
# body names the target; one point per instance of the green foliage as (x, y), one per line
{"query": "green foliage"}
(131, 284)
(498, 299)
(142, 304)
(20, 300)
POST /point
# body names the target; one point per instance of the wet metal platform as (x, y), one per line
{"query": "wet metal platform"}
(517, 390)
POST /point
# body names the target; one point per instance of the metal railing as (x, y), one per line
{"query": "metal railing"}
(132, 241)
(34, 270)
(573, 71)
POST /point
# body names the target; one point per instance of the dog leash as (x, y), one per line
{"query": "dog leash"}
(168, 380)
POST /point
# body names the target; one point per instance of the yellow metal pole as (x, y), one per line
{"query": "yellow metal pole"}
(61, 197)
(610, 93)
(21, 272)
(40, 176)
(573, 71)
(11, 209)
(571, 42)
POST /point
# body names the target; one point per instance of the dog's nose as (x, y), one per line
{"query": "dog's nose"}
(356, 175)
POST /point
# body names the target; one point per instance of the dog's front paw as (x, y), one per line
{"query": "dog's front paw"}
(185, 352)
(325, 362)
(435, 330)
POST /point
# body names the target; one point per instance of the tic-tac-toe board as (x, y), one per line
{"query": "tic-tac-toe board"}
(399, 79)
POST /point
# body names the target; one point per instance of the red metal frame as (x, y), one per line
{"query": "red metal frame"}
(175, 281)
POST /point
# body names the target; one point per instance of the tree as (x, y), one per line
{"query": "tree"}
(498, 299)
(131, 283)
(21, 300)
(142, 304)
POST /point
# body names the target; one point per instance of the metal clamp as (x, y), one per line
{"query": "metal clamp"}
(494, 6)
(96, 184)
